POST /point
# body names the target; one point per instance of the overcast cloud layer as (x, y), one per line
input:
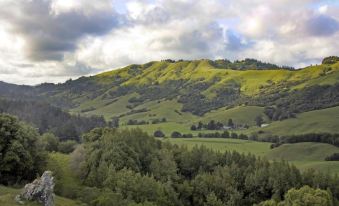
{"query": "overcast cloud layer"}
(54, 40)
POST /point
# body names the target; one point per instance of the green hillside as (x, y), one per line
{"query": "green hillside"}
(307, 151)
(186, 92)
(304, 155)
(318, 121)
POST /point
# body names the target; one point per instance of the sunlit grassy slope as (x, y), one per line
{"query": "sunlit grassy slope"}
(252, 83)
(304, 155)
(202, 70)
(325, 120)
(318, 121)
(222, 145)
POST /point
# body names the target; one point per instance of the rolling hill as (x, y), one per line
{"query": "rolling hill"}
(186, 92)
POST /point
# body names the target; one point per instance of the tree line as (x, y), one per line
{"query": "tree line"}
(128, 167)
(48, 118)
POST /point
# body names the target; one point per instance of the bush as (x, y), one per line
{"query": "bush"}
(49, 142)
(330, 60)
(67, 146)
(158, 133)
(176, 134)
(333, 157)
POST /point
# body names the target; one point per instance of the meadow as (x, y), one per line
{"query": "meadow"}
(306, 155)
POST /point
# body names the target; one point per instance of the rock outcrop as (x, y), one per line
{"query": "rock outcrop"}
(41, 190)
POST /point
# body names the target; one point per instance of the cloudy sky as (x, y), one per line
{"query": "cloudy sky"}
(54, 40)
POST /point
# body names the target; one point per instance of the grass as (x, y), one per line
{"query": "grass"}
(303, 155)
(167, 128)
(325, 120)
(240, 115)
(242, 146)
(169, 109)
(253, 83)
(251, 80)
(7, 195)
(306, 151)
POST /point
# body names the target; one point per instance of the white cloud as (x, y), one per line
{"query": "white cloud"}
(79, 37)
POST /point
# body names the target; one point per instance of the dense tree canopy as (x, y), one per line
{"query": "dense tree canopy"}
(21, 157)
(305, 196)
(132, 168)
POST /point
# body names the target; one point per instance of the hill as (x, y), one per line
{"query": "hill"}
(306, 155)
(182, 93)
(317, 121)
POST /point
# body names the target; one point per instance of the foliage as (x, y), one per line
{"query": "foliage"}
(305, 196)
(21, 157)
(176, 134)
(51, 119)
(333, 157)
(131, 166)
(330, 60)
(328, 138)
(159, 133)
(67, 146)
(49, 142)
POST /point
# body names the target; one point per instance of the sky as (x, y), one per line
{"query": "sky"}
(55, 40)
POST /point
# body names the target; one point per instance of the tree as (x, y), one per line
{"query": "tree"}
(49, 142)
(259, 120)
(193, 127)
(114, 123)
(234, 135)
(200, 126)
(211, 125)
(230, 123)
(306, 196)
(176, 134)
(67, 146)
(21, 156)
(225, 134)
(158, 133)
(212, 200)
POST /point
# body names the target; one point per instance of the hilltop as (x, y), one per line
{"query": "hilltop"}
(179, 93)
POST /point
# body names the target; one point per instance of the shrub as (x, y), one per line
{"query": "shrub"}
(67, 146)
(176, 134)
(158, 133)
(333, 157)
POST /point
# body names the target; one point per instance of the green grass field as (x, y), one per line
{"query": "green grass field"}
(240, 115)
(242, 146)
(303, 155)
(325, 120)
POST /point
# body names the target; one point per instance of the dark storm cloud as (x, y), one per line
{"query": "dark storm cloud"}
(49, 36)
(322, 26)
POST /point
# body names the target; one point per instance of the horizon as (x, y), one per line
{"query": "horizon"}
(176, 60)
(55, 40)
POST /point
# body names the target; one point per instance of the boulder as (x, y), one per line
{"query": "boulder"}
(41, 190)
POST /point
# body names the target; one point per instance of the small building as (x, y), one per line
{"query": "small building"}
(264, 125)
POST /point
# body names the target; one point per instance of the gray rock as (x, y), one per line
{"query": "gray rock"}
(41, 190)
